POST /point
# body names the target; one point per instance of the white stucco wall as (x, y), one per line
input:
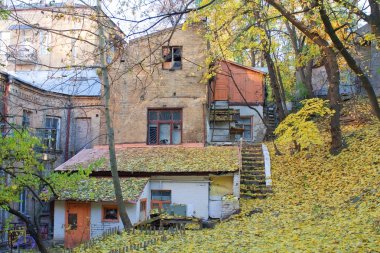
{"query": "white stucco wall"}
(258, 131)
(98, 226)
(59, 221)
(193, 191)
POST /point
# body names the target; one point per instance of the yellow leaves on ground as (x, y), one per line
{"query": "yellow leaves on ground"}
(321, 203)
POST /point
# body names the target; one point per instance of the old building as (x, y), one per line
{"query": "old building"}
(65, 123)
(51, 36)
(161, 110)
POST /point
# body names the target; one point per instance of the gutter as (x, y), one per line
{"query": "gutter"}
(68, 123)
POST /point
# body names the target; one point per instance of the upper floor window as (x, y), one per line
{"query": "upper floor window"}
(44, 42)
(172, 57)
(164, 126)
(53, 134)
(26, 115)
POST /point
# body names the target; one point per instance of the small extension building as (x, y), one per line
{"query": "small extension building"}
(193, 177)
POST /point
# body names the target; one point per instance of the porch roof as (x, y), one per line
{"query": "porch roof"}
(152, 160)
(101, 189)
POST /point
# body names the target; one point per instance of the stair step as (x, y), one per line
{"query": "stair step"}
(253, 177)
(256, 190)
(252, 182)
(253, 196)
(253, 173)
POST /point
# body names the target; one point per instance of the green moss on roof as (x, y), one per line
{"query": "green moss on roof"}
(161, 159)
(101, 189)
(178, 159)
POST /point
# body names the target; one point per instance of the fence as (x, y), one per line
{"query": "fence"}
(160, 233)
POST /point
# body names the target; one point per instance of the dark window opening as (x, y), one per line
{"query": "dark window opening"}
(172, 58)
(72, 220)
(110, 213)
(164, 127)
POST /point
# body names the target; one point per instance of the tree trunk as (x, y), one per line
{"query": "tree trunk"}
(31, 228)
(110, 132)
(253, 57)
(274, 84)
(333, 77)
(351, 62)
(281, 86)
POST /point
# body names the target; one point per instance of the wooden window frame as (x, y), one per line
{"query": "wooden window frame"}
(158, 122)
(109, 207)
(172, 61)
(160, 202)
(250, 124)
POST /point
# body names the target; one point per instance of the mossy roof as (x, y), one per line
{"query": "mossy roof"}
(161, 159)
(101, 189)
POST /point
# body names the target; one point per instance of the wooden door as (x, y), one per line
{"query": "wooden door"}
(82, 133)
(77, 224)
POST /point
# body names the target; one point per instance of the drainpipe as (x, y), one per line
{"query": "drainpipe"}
(5, 102)
(68, 121)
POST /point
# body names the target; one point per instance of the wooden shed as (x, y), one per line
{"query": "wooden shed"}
(232, 77)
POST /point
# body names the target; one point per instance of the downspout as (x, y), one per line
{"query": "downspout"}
(68, 123)
(5, 102)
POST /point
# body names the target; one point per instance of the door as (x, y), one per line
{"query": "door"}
(82, 133)
(142, 210)
(77, 224)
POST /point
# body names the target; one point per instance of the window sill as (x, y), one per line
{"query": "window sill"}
(110, 221)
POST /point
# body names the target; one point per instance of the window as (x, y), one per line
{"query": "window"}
(53, 136)
(164, 127)
(26, 115)
(23, 199)
(44, 42)
(161, 199)
(172, 58)
(246, 124)
(110, 214)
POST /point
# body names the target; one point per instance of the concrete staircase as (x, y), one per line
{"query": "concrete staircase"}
(252, 177)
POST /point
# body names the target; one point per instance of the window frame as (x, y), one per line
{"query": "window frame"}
(104, 207)
(172, 58)
(159, 202)
(57, 130)
(243, 125)
(26, 118)
(158, 122)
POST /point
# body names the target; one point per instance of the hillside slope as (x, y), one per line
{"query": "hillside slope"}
(322, 203)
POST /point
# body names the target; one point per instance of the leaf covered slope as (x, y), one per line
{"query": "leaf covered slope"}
(321, 203)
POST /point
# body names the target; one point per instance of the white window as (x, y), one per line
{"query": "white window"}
(44, 42)
(5, 39)
(53, 126)
(23, 199)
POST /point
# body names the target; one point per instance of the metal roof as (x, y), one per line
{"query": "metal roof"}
(76, 82)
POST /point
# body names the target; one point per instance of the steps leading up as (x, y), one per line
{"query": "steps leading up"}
(252, 177)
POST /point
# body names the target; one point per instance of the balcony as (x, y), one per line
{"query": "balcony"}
(22, 54)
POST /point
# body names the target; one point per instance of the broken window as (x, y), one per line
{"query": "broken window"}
(161, 199)
(246, 124)
(172, 58)
(164, 127)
